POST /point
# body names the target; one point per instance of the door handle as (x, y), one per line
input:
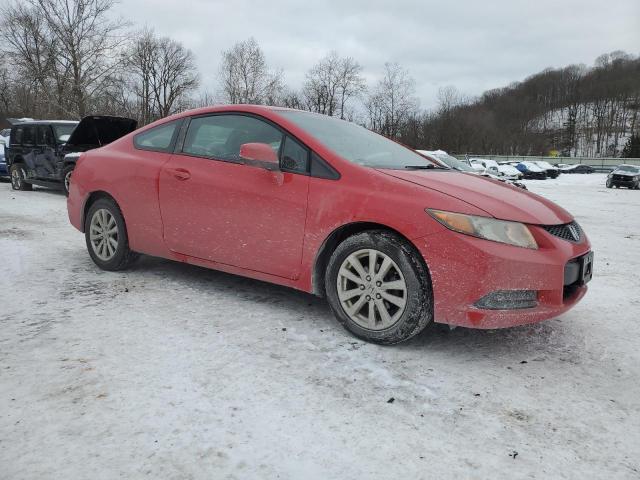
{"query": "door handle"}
(181, 173)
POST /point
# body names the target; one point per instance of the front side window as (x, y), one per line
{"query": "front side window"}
(221, 136)
(157, 139)
(295, 156)
(45, 136)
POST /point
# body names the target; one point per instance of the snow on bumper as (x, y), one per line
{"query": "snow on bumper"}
(460, 281)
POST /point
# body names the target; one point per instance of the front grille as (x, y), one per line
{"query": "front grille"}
(569, 231)
(622, 178)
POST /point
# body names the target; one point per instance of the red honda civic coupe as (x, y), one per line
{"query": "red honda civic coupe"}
(392, 240)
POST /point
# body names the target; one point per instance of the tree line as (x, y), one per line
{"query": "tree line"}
(570, 111)
(70, 58)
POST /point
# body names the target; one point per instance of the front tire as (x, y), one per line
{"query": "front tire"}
(379, 288)
(106, 236)
(18, 176)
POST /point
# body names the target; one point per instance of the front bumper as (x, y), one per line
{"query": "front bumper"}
(465, 269)
(4, 171)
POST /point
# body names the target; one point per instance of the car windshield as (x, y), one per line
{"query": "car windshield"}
(64, 130)
(629, 168)
(355, 143)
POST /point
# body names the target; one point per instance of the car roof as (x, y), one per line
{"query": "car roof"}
(46, 122)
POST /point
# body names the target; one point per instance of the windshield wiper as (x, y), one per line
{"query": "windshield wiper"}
(430, 166)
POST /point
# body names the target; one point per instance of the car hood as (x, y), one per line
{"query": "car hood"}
(96, 131)
(496, 198)
(626, 174)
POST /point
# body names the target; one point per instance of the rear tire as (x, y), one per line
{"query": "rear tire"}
(66, 178)
(18, 176)
(399, 277)
(106, 236)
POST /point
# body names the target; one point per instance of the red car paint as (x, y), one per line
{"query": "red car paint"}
(271, 225)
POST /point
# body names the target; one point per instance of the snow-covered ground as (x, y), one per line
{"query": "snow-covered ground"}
(170, 371)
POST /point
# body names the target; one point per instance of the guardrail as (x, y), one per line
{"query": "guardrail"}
(602, 164)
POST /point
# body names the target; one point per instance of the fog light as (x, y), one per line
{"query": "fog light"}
(508, 300)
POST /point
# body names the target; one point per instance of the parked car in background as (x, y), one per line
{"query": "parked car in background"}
(624, 176)
(552, 172)
(490, 166)
(579, 168)
(40, 152)
(392, 239)
(510, 172)
(478, 167)
(444, 158)
(530, 170)
(4, 136)
(4, 171)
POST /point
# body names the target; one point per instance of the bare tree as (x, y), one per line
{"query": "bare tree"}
(331, 83)
(164, 73)
(448, 98)
(245, 76)
(33, 52)
(174, 74)
(5, 91)
(140, 62)
(392, 102)
(86, 42)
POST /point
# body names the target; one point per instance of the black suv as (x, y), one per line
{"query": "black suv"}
(44, 153)
(625, 176)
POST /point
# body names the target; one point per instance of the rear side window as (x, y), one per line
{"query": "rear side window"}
(29, 135)
(221, 136)
(158, 139)
(16, 136)
(295, 156)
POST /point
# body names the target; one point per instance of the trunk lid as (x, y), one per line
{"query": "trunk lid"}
(98, 130)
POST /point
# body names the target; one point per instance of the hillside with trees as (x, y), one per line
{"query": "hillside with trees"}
(574, 111)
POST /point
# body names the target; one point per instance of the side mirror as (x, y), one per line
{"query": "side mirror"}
(259, 155)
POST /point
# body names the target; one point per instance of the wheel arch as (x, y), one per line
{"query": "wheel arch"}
(335, 238)
(16, 159)
(93, 198)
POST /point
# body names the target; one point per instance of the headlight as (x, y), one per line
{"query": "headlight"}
(512, 233)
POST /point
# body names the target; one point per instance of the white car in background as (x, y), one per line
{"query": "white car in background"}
(491, 166)
(477, 166)
(4, 137)
(510, 172)
(445, 159)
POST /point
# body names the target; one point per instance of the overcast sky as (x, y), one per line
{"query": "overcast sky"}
(473, 45)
